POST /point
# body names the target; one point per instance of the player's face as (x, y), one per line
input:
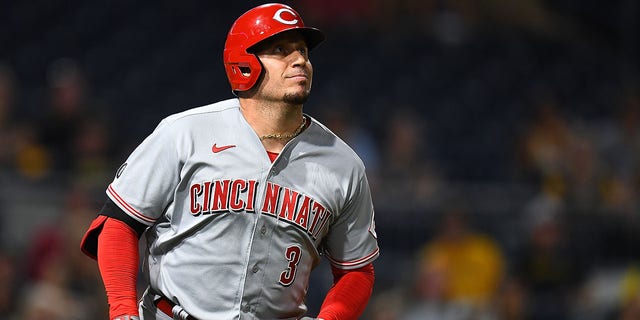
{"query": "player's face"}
(287, 69)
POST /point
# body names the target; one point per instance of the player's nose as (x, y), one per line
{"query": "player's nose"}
(298, 58)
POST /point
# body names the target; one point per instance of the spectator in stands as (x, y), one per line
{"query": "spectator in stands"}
(69, 103)
(8, 284)
(544, 144)
(460, 271)
(410, 175)
(547, 266)
(58, 278)
(91, 147)
(7, 96)
(629, 307)
(20, 151)
(619, 145)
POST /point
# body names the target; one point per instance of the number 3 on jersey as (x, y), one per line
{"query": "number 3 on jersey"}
(292, 254)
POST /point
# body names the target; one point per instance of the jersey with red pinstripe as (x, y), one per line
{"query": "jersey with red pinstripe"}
(233, 234)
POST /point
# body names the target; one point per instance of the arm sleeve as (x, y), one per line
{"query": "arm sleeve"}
(89, 243)
(118, 263)
(349, 294)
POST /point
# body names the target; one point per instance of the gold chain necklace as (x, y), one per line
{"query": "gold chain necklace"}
(281, 136)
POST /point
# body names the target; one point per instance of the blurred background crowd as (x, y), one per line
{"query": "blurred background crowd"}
(501, 139)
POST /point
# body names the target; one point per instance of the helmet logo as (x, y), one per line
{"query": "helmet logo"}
(278, 16)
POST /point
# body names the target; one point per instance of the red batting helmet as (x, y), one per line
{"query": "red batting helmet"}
(242, 67)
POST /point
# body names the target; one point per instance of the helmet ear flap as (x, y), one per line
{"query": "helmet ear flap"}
(243, 70)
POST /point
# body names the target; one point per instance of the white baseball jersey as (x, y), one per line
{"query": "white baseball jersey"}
(234, 235)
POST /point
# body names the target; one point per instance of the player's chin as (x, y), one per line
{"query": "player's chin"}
(298, 97)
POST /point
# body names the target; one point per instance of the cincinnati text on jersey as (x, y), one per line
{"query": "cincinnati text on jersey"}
(279, 202)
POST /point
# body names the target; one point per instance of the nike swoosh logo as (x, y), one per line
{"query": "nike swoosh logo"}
(217, 149)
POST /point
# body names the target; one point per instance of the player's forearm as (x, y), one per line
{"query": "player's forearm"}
(349, 295)
(118, 263)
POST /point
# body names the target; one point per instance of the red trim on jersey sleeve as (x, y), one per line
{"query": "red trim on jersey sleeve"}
(349, 295)
(355, 263)
(118, 263)
(89, 242)
(127, 207)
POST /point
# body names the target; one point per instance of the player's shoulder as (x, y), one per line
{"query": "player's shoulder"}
(335, 148)
(212, 109)
(197, 117)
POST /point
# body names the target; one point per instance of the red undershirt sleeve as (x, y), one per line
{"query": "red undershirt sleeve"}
(349, 294)
(118, 263)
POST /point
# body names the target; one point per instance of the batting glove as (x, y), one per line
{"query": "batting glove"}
(126, 317)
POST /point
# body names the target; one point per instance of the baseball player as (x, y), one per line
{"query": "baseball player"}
(240, 199)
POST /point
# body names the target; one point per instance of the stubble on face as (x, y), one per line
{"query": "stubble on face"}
(296, 98)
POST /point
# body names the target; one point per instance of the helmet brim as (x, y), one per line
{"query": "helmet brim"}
(312, 37)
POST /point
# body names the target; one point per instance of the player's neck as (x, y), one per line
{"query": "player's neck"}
(275, 124)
